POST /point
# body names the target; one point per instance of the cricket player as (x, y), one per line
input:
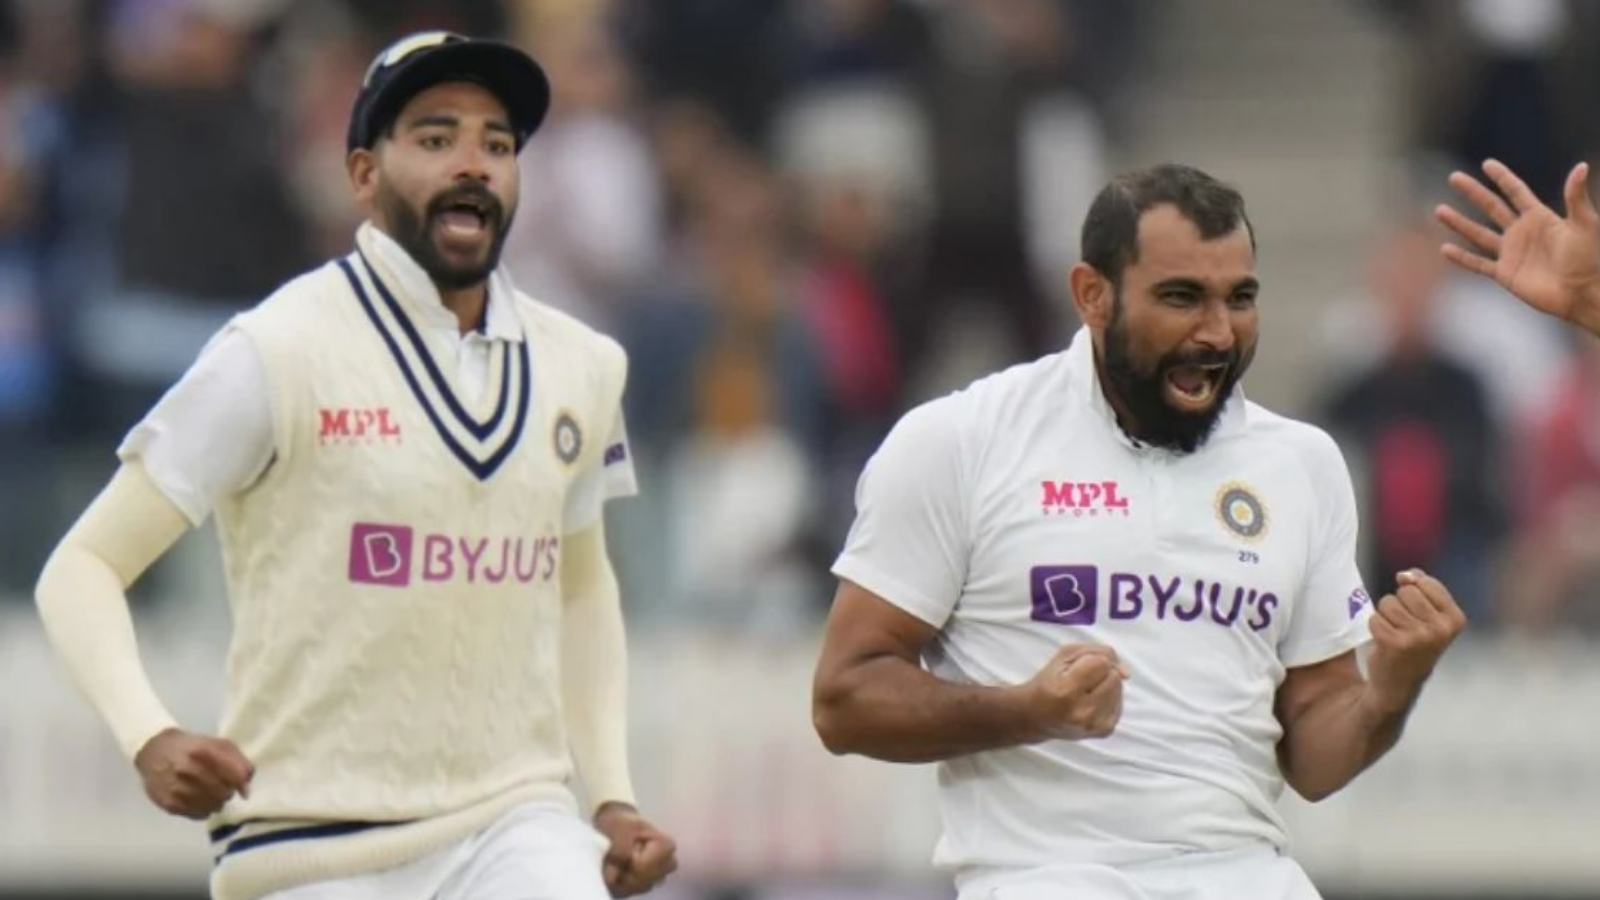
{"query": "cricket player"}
(1549, 262)
(1135, 593)
(407, 459)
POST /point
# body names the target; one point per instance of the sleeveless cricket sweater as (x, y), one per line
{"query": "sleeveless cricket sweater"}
(394, 579)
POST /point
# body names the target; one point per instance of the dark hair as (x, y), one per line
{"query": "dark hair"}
(1110, 240)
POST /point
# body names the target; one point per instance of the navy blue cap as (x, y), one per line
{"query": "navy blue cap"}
(417, 62)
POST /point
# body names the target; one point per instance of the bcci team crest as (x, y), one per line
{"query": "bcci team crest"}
(568, 438)
(1241, 511)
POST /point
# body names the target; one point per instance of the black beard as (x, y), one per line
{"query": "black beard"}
(413, 232)
(1142, 392)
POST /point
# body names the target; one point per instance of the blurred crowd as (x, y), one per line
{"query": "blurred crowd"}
(1473, 423)
(801, 217)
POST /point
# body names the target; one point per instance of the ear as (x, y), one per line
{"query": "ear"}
(1092, 294)
(362, 166)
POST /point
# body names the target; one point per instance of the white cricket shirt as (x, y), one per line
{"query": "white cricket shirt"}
(1016, 516)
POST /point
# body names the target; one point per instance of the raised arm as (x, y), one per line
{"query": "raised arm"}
(1549, 262)
(1335, 723)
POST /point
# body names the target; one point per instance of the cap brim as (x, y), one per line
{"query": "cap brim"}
(503, 70)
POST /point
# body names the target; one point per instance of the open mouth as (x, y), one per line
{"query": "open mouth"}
(1195, 387)
(466, 217)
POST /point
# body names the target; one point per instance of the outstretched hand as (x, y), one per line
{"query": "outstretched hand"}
(1549, 262)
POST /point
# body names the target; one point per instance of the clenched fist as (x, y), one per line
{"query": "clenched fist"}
(1411, 629)
(641, 855)
(1078, 693)
(192, 775)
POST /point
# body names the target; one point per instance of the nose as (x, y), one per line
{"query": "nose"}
(1215, 329)
(472, 163)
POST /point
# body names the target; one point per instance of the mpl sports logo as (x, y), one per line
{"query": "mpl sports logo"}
(1070, 595)
(395, 556)
(352, 425)
(1082, 498)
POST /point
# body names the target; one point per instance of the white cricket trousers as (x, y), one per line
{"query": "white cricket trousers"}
(534, 852)
(1240, 875)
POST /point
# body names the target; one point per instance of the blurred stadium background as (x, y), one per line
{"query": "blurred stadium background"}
(803, 216)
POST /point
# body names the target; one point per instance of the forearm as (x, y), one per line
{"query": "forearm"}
(894, 710)
(83, 603)
(1341, 735)
(594, 669)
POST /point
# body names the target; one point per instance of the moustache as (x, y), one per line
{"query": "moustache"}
(472, 194)
(1200, 357)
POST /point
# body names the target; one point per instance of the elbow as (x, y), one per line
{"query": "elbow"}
(47, 590)
(1314, 790)
(832, 736)
(1314, 793)
(829, 718)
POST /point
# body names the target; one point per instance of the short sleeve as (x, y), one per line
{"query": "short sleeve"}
(210, 435)
(610, 476)
(1330, 615)
(909, 542)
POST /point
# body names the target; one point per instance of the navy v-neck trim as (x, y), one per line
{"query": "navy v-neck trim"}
(485, 458)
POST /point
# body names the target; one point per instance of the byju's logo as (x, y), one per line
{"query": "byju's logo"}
(1065, 595)
(1082, 498)
(1071, 595)
(384, 555)
(380, 554)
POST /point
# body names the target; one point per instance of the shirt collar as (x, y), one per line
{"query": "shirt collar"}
(1080, 356)
(408, 279)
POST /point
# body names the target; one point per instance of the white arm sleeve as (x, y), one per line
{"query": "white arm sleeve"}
(608, 477)
(594, 668)
(1330, 615)
(909, 542)
(210, 436)
(83, 602)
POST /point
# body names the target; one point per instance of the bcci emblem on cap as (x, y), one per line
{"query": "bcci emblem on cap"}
(1241, 511)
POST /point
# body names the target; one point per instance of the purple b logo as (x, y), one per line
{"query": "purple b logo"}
(380, 554)
(1065, 595)
(1358, 599)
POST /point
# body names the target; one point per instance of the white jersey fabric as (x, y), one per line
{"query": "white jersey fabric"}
(1016, 516)
(210, 436)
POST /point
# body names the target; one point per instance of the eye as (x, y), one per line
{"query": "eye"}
(1179, 297)
(434, 142)
(1242, 300)
(501, 147)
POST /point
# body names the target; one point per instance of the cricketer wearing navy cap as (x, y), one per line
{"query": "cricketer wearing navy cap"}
(391, 729)
(419, 61)
(424, 100)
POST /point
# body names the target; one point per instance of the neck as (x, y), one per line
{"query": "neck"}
(468, 303)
